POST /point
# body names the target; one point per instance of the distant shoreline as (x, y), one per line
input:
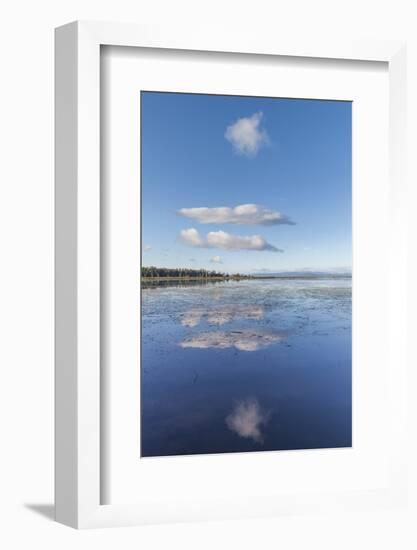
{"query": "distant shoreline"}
(213, 278)
(181, 274)
(245, 277)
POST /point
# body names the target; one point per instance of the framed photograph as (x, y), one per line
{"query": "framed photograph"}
(230, 334)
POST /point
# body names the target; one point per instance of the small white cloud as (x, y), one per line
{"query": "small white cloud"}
(246, 420)
(225, 241)
(146, 248)
(247, 135)
(216, 260)
(243, 214)
(191, 237)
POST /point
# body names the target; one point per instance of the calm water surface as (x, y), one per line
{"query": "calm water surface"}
(246, 366)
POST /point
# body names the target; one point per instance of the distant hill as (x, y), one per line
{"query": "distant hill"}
(303, 273)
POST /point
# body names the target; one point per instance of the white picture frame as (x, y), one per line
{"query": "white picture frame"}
(78, 325)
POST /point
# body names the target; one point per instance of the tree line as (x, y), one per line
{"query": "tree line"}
(184, 272)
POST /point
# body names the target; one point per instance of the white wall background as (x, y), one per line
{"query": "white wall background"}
(26, 272)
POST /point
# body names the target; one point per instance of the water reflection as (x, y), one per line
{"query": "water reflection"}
(221, 315)
(219, 359)
(243, 340)
(178, 283)
(246, 420)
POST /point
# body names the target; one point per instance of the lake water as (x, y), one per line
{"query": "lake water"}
(250, 365)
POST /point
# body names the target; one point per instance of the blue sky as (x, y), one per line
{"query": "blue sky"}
(245, 183)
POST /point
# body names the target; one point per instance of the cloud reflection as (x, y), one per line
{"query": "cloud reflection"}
(245, 340)
(221, 315)
(192, 318)
(246, 420)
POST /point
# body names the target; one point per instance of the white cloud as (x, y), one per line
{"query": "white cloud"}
(225, 241)
(246, 135)
(246, 420)
(247, 214)
(247, 340)
(216, 260)
(146, 248)
(192, 237)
